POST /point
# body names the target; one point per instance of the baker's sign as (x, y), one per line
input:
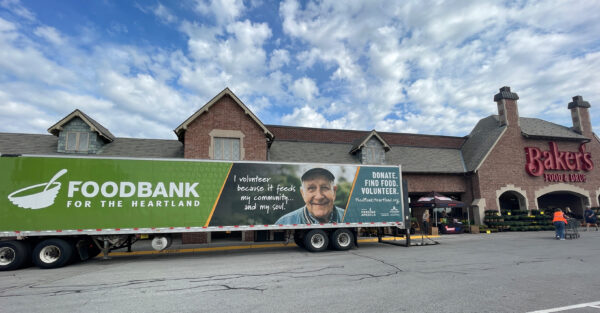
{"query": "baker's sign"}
(539, 161)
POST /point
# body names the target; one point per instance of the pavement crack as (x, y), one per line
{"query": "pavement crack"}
(380, 261)
(45, 289)
(369, 276)
(527, 262)
(222, 287)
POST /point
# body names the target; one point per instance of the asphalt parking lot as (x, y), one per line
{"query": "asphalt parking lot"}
(503, 272)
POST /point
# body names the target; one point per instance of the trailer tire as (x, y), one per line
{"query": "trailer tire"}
(52, 253)
(14, 255)
(342, 239)
(316, 240)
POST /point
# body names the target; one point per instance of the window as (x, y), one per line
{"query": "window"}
(373, 153)
(77, 141)
(226, 144)
(226, 148)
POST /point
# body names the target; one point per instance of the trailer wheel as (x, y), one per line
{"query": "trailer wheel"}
(316, 240)
(342, 239)
(14, 255)
(52, 253)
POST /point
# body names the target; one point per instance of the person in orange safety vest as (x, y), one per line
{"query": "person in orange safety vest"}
(559, 221)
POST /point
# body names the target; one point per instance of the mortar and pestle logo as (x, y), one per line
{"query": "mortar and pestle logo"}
(37, 196)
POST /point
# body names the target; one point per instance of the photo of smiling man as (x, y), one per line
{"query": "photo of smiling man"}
(318, 192)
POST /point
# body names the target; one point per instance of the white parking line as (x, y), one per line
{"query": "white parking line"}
(595, 305)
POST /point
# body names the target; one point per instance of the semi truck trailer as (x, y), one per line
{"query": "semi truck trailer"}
(55, 210)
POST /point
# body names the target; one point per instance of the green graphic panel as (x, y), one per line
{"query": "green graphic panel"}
(106, 193)
(44, 193)
(377, 196)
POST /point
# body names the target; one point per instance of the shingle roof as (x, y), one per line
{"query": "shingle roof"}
(309, 134)
(95, 126)
(488, 130)
(426, 160)
(143, 148)
(480, 141)
(11, 143)
(412, 159)
(534, 127)
(416, 153)
(317, 152)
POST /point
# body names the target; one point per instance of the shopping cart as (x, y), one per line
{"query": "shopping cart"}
(572, 228)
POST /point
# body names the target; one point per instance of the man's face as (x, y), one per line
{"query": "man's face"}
(318, 194)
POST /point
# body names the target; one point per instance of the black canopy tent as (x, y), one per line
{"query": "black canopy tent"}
(436, 200)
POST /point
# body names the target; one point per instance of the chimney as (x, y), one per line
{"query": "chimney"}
(581, 116)
(508, 111)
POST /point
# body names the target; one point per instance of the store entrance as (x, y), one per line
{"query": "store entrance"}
(511, 201)
(563, 199)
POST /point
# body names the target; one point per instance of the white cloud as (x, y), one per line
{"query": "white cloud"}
(20, 57)
(232, 56)
(116, 28)
(164, 14)
(142, 94)
(306, 117)
(305, 88)
(244, 52)
(405, 66)
(50, 34)
(223, 10)
(18, 9)
(6, 26)
(141, 125)
(21, 117)
(279, 58)
(447, 58)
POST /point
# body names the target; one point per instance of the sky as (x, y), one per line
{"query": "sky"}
(142, 67)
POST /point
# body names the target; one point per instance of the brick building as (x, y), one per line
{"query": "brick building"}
(506, 162)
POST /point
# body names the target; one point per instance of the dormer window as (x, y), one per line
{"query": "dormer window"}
(79, 133)
(373, 152)
(77, 141)
(371, 149)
